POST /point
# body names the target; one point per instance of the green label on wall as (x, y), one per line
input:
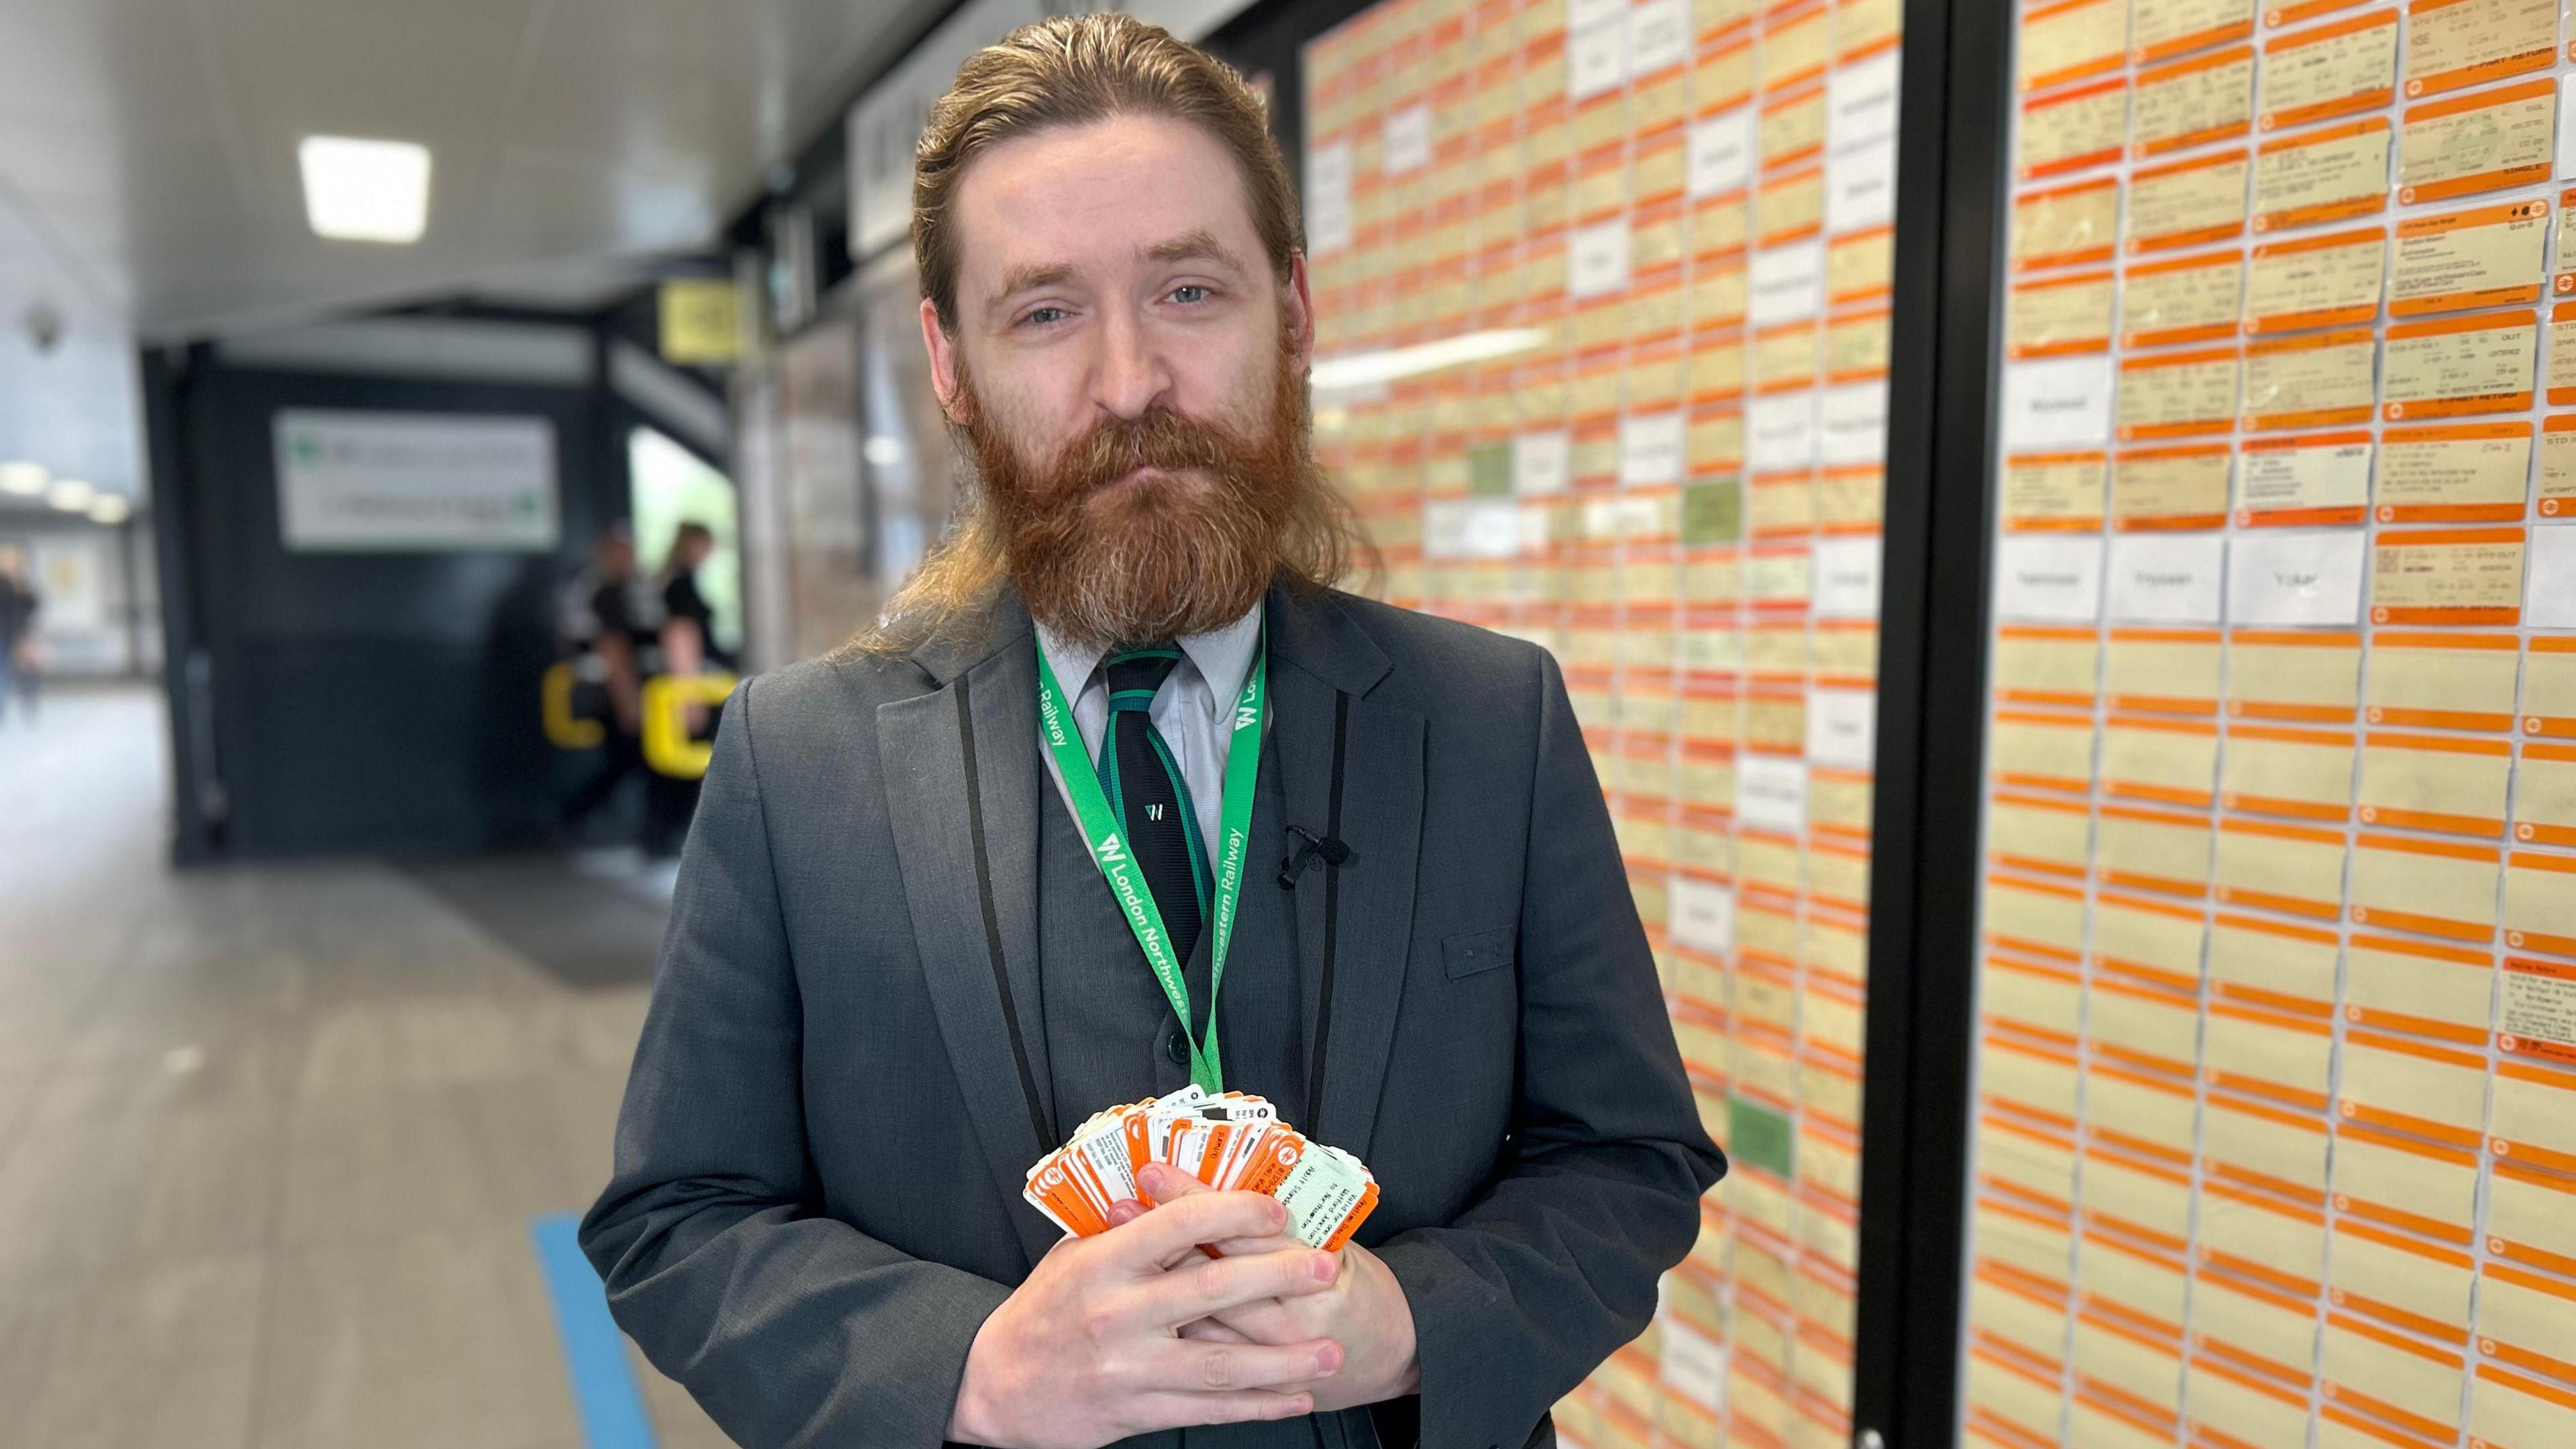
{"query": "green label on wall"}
(1713, 511)
(1757, 1135)
(1489, 470)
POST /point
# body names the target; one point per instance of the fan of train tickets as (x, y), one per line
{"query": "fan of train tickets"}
(1233, 1142)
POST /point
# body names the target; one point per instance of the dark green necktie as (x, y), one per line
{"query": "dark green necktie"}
(1145, 787)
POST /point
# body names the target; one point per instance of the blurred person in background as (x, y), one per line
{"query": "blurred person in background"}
(689, 648)
(621, 627)
(688, 621)
(21, 651)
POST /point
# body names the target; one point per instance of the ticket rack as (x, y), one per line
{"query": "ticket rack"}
(2162, 1029)
(2275, 1115)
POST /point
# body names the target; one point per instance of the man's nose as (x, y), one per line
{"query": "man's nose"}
(1131, 376)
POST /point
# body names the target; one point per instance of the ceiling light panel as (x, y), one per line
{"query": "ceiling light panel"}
(358, 190)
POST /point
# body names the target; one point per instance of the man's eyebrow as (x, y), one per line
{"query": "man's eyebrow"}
(1200, 245)
(1028, 276)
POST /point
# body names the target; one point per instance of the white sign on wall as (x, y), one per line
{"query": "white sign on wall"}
(426, 482)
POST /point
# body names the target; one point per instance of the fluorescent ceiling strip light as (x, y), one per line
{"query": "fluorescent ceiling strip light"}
(376, 191)
(1355, 370)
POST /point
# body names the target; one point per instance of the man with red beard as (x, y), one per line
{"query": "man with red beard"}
(896, 976)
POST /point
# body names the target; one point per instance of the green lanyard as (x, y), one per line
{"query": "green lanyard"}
(1118, 864)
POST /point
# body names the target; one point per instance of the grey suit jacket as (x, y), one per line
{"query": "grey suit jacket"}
(817, 1191)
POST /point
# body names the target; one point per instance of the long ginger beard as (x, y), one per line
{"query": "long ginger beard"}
(1104, 557)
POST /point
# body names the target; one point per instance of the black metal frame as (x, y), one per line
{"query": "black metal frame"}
(1953, 123)
(197, 825)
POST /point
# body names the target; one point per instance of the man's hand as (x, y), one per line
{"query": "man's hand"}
(1364, 1311)
(1088, 1349)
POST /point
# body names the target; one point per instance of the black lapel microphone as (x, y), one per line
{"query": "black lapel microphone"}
(1310, 845)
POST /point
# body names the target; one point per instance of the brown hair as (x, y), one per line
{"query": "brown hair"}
(1074, 70)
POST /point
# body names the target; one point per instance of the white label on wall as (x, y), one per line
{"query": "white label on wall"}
(1490, 528)
(1404, 142)
(1596, 59)
(2159, 578)
(2044, 580)
(1771, 792)
(415, 482)
(2056, 402)
(1328, 198)
(1542, 463)
(2567, 125)
(1780, 432)
(1853, 420)
(1787, 283)
(1693, 1365)
(2549, 574)
(1860, 188)
(2296, 577)
(1650, 449)
(1860, 102)
(1658, 36)
(1470, 528)
(1703, 915)
(1842, 727)
(1443, 524)
(1846, 585)
(1584, 14)
(1597, 259)
(1720, 154)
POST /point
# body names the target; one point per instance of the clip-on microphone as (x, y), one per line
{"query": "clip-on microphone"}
(1331, 848)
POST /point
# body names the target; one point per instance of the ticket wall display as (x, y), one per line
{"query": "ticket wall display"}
(2274, 1122)
(1613, 280)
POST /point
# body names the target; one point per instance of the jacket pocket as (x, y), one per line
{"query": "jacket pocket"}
(1472, 953)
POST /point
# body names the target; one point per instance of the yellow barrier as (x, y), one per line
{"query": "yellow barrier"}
(564, 729)
(667, 746)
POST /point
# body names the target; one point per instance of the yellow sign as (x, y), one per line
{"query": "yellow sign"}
(700, 325)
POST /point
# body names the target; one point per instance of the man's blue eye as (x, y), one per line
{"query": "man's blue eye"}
(1041, 316)
(1190, 292)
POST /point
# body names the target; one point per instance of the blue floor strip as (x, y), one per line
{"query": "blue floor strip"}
(603, 1384)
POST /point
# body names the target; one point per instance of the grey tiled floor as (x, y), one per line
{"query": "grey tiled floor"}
(271, 1136)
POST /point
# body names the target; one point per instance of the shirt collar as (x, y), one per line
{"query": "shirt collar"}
(1223, 656)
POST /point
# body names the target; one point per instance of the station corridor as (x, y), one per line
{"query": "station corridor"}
(272, 1137)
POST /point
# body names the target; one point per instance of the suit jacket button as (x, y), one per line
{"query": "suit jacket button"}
(1176, 1047)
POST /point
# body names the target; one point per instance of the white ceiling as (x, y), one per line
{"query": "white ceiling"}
(148, 181)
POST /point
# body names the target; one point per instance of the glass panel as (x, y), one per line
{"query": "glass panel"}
(1602, 322)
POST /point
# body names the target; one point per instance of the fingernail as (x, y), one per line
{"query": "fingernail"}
(1328, 1359)
(1151, 1177)
(1278, 1213)
(1327, 1267)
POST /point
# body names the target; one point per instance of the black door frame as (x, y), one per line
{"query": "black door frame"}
(1953, 124)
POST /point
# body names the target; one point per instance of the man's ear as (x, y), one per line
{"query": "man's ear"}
(1300, 303)
(943, 357)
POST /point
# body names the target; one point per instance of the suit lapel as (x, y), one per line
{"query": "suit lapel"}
(924, 743)
(1320, 655)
